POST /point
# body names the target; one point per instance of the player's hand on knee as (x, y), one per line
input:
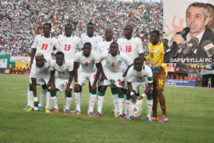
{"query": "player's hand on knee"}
(49, 85)
(93, 88)
(141, 97)
(53, 89)
(77, 87)
(67, 90)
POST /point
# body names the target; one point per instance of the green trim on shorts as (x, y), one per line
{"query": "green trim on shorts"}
(128, 97)
(48, 90)
(120, 95)
(69, 95)
(44, 86)
(53, 94)
(101, 94)
(150, 78)
(30, 88)
(150, 98)
(94, 93)
(113, 91)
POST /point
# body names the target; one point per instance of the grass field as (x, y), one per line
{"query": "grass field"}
(190, 112)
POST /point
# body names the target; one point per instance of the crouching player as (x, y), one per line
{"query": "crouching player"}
(87, 60)
(138, 75)
(112, 75)
(40, 74)
(64, 69)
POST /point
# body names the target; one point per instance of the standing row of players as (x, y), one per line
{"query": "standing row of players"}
(118, 64)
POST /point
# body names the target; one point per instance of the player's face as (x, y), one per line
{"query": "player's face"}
(195, 20)
(68, 31)
(154, 39)
(108, 34)
(59, 60)
(128, 31)
(46, 29)
(90, 30)
(113, 49)
(86, 50)
(211, 22)
(40, 61)
(138, 65)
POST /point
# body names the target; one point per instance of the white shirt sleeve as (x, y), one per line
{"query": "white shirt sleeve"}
(140, 46)
(52, 66)
(149, 74)
(103, 55)
(35, 43)
(77, 57)
(126, 59)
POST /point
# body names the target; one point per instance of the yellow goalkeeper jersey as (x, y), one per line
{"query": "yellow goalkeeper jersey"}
(156, 55)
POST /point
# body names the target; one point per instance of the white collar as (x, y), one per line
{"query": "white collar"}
(199, 36)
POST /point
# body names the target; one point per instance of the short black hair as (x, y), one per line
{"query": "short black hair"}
(48, 25)
(68, 24)
(90, 23)
(60, 53)
(114, 43)
(87, 43)
(157, 32)
(138, 59)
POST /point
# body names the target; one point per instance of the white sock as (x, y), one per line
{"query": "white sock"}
(120, 103)
(48, 99)
(54, 101)
(31, 98)
(127, 107)
(93, 100)
(149, 107)
(124, 105)
(42, 96)
(68, 103)
(28, 97)
(77, 96)
(115, 100)
(100, 104)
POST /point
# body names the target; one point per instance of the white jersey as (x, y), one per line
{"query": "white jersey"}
(87, 63)
(145, 75)
(103, 46)
(114, 63)
(132, 47)
(63, 71)
(69, 46)
(37, 72)
(44, 45)
(93, 40)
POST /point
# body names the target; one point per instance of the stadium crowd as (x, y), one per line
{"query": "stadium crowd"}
(21, 21)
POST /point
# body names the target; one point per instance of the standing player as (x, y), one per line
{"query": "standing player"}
(87, 60)
(113, 75)
(43, 43)
(133, 47)
(40, 74)
(64, 69)
(159, 74)
(103, 47)
(68, 44)
(138, 75)
(91, 37)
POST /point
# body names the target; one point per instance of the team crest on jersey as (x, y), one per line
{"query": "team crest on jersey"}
(156, 50)
(86, 63)
(51, 43)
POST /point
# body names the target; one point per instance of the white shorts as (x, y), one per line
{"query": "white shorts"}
(137, 83)
(114, 78)
(60, 83)
(82, 77)
(41, 79)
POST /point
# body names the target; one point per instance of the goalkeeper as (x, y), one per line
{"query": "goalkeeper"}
(159, 70)
(140, 75)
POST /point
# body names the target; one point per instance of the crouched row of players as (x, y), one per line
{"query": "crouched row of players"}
(107, 73)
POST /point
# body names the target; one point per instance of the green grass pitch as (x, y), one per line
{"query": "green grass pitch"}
(190, 112)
